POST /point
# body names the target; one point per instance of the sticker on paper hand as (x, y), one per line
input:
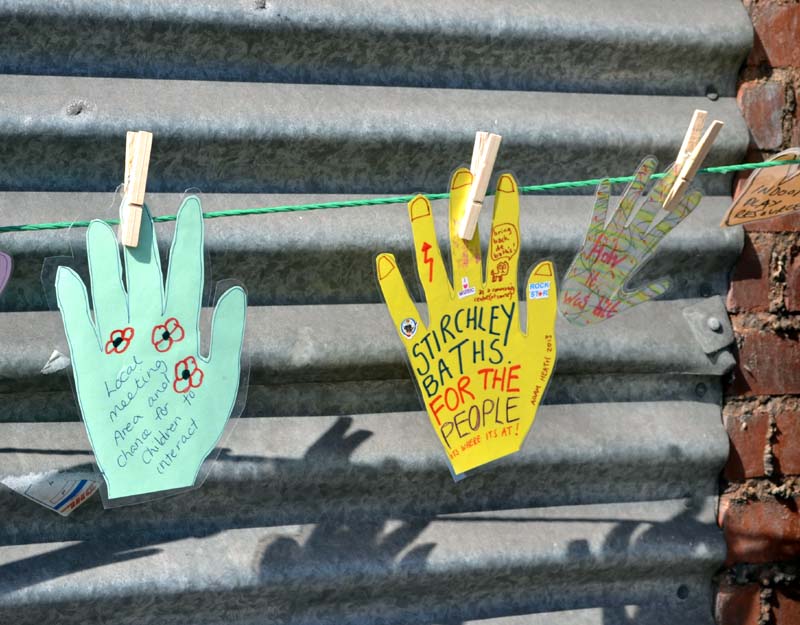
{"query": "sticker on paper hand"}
(480, 377)
(408, 328)
(154, 408)
(596, 285)
(539, 290)
(769, 192)
(466, 289)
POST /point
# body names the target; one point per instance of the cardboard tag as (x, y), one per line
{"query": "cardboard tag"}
(769, 192)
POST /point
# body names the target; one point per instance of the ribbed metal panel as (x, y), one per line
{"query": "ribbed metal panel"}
(601, 46)
(63, 134)
(332, 502)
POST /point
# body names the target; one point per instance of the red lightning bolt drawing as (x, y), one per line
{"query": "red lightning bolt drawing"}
(427, 259)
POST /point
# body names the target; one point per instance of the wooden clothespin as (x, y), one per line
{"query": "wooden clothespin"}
(484, 154)
(137, 163)
(693, 152)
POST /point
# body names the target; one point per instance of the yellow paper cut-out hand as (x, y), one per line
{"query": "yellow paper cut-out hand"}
(480, 377)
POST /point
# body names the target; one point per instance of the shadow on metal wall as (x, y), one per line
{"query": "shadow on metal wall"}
(363, 551)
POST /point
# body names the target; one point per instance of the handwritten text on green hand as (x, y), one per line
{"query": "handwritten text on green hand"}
(154, 408)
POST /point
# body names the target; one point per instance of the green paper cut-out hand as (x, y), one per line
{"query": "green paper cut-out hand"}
(153, 407)
(595, 287)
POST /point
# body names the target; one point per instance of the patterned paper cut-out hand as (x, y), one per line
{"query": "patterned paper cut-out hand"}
(595, 287)
(153, 407)
(6, 265)
(480, 377)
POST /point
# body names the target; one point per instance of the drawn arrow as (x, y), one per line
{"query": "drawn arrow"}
(427, 260)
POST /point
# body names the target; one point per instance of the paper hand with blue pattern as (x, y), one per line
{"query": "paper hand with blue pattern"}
(596, 286)
(153, 406)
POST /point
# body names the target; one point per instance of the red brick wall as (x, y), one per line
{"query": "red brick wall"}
(761, 482)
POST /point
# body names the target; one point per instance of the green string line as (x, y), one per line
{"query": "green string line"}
(400, 199)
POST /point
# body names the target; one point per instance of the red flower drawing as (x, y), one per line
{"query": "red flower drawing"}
(187, 375)
(165, 335)
(120, 341)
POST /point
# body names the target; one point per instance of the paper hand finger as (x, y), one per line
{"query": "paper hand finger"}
(633, 192)
(402, 310)
(185, 277)
(660, 190)
(430, 266)
(689, 202)
(224, 366)
(540, 339)
(465, 256)
(542, 297)
(143, 273)
(6, 267)
(600, 209)
(503, 261)
(108, 294)
(227, 334)
(73, 302)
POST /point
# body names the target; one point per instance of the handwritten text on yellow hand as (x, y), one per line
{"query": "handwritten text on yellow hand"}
(480, 377)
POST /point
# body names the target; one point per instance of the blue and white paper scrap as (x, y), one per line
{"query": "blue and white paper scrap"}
(59, 491)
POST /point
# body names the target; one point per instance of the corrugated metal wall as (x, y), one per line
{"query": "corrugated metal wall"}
(331, 502)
